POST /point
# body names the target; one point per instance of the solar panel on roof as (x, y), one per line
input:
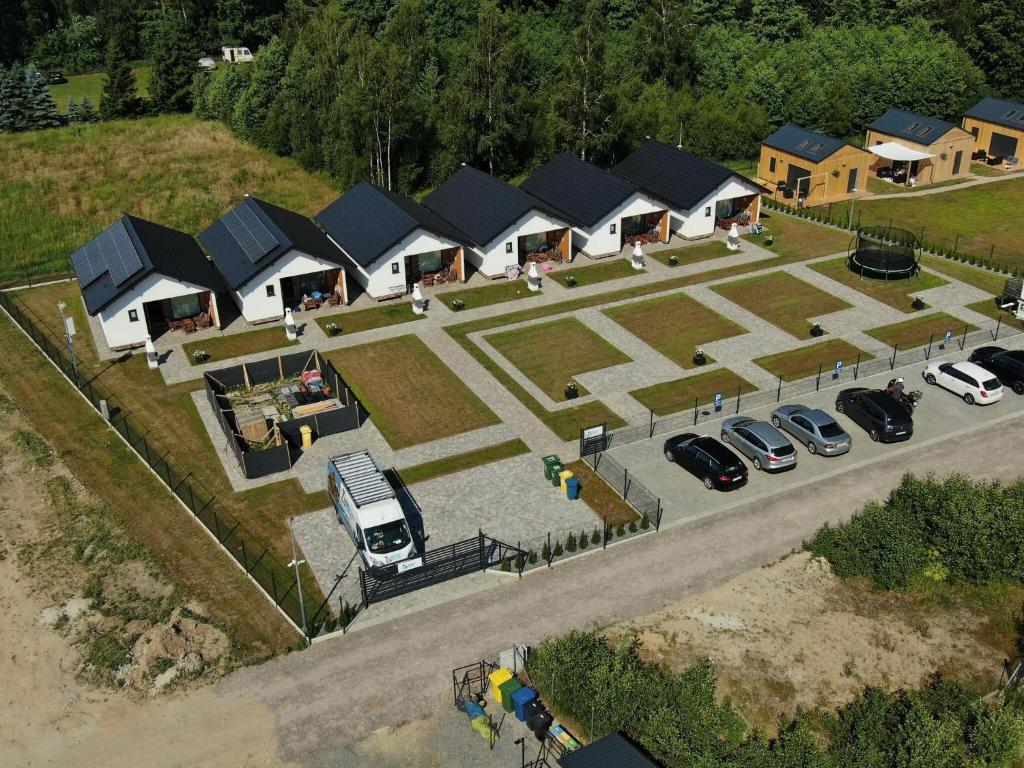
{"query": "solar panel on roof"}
(249, 232)
(85, 268)
(926, 130)
(817, 147)
(119, 254)
(1010, 113)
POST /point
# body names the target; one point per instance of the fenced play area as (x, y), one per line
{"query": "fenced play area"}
(270, 409)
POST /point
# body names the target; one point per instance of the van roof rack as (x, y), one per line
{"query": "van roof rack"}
(362, 479)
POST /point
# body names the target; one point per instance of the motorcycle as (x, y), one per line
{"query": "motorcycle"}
(908, 400)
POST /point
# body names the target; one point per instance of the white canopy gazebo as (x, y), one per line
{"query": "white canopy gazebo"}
(891, 150)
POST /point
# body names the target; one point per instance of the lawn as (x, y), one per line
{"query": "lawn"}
(988, 308)
(601, 497)
(367, 319)
(90, 86)
(797, 240)
(237, 344)
(782, 300)
(674, 325)
(691, 254)
(983, 169)
(898, 294)
(462, 461)
(984, 216)
(799, 363)
(60, 187)
(173, 426)
(409, 393)
(917, 331)
(980, 278)
(497, 292)
(679, 395)
(552, 354)
(882, 187)
(613, 269)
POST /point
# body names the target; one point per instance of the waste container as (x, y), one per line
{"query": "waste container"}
(497, 677)
(307, 436)
(520, 699)
(549, 463)
(563, 476)
(572, 488)
(556, 470)
(507, 689)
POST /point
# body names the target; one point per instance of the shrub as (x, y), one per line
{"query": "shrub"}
(620, 530)
(632, 526)
(645, 523)
(520, 562)
(570, 543)
(557, 551)
(531, 557)
(595, 537)
(545, 553)
(506, 564)
(584, 540)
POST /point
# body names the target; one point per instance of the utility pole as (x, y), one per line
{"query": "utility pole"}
(68, 323)
(295, 563)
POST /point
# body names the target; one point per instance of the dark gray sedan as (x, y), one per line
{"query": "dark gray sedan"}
(814, 428)
(768, 449)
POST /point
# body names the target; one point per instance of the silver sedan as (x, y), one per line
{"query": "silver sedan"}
(768, 449)
(814, 428)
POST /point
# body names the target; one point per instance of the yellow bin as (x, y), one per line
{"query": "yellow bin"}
(497, 677)
(563, 476)
(307, 437)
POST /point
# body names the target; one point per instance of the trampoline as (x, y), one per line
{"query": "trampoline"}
(884, 253)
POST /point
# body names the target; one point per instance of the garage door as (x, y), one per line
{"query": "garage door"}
(1002, 145)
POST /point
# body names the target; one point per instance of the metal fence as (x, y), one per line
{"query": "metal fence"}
(277, 581)
(703, 411)
(635, 493)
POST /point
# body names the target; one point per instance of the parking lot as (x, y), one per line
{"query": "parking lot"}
(940, 415)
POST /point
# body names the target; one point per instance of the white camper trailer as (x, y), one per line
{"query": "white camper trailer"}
(234, 54)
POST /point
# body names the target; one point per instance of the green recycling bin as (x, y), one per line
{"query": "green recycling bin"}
(556, 481)
(549, 463)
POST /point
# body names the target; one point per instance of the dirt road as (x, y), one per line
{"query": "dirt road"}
(312, 704)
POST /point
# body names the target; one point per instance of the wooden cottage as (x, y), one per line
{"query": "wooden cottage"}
(918, 148)
(997, 127)
(800, 164)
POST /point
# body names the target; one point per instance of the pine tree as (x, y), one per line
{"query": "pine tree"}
(120, 97)
(13, 109)
(87, 111)
(73, 114)
(173, 59)
(40, 105)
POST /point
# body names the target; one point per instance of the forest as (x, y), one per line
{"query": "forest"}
(401, 92)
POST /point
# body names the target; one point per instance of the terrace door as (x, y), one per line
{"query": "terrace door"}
(957, 159)
(851, 181)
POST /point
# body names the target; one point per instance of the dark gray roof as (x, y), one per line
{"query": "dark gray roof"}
(583, 193)
(673, 176)
(911, 126)
(131, 249)
(999, 111)
(254, 234)
(481, 205)
(804, 143)
(611, 751)
(368, 221)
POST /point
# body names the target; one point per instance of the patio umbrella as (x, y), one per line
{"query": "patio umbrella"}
(418, 303)
(638, 257)
(289, 325)
(151, 357)
(533, 277)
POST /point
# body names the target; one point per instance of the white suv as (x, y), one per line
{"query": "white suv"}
(972, 382)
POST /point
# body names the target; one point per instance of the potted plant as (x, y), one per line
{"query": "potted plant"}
(918, 303)
(570, 281)
(699, 358)
(333, 329)
(769, 239)
(816, 330)
(571, 391)
(458, 304)
(673, 260)
(200, 355)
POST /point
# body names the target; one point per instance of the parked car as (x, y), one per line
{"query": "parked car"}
(56, 78)
(207, 63)
(877, 412)
(969, 380)
(708, 459)
(768, 449)
(1006, 364)
(814, 428)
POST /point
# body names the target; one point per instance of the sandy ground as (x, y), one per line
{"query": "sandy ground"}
(793, 634)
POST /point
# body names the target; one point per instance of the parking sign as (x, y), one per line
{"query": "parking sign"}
(839, 369)
(718, 401)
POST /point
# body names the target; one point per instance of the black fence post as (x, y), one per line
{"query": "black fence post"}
(956, 243)
(695, 411)
(778, 392)
(856, 367)
(657, 519)
(963, 339)
(550, 553)
(928, 352)
(625, 483)
(652, 423)
(817, 383)
(604, 533)
(739, 391)
(999, 324)
(892, 361)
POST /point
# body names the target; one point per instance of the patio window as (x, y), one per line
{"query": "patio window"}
(270, 290)
(430, 262)
(707, 211)
(316, 281)
(133, 315)
(534, 243)
(185, 306)
(771, 165)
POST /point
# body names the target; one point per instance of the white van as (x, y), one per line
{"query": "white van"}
(367, 506)
(234, 55)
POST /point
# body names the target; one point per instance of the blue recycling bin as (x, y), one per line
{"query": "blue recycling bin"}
(572, 488)
(520, 699)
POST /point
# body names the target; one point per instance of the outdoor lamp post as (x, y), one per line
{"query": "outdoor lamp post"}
(69, 331)
(295, 563)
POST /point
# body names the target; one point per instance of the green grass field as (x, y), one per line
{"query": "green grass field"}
(552, 354)
(354, 321)
(497, 292)
(411, 395)
(59, 188)
(782, 300)
(917, 331)
(463, 461)
(799, 363)
(691, 254)
(589, 274)
(674, 396)
(237, 344)
(674, 325)
(882, 187)
(898, 294)
(796, 240)
(90, 86)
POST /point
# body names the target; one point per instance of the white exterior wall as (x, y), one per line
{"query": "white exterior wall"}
(600, 240)
(696, 222)
(492, 259)
(380, 280)
(120, 331)
(252, 297)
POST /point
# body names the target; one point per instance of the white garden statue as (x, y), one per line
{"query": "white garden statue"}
(419, 304)
(152, 359)
(533, 277)
(289, 325)
(638, 257)
(733, 240)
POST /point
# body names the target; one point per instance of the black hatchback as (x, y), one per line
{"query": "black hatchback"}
(1006, 364)
(877, 412)
(708, 459)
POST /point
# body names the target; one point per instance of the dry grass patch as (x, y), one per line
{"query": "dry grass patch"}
(675, 396)
(552, 354)
(917, 331)
(409, 393)
(614, 269)
(600, 497)
(898, 294)
(799, 363)
(237, 344)
(674, 325)
(691, 254)
(782, 300)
